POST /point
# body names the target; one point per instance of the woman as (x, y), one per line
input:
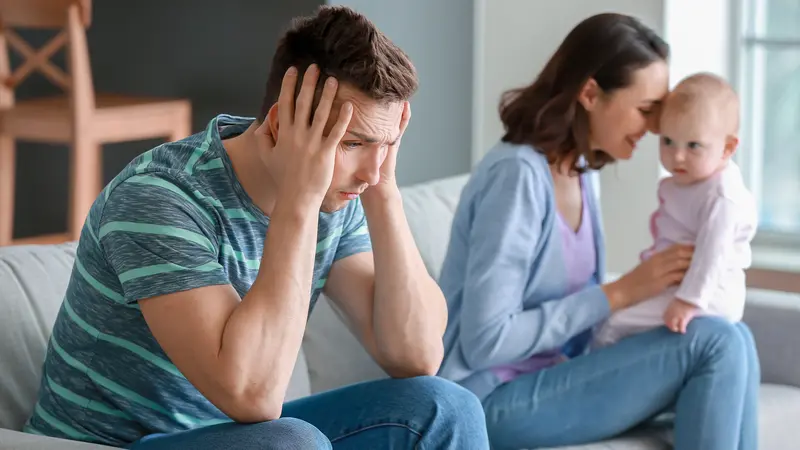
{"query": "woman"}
(524, 270)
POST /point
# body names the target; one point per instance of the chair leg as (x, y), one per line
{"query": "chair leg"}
(7, 174)
(85, 182)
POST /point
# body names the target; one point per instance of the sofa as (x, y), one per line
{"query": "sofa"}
(34, 278)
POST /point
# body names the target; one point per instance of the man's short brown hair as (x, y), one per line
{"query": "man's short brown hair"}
(346, 45)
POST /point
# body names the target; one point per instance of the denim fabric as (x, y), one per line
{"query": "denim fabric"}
(709, 377)
(414, 413)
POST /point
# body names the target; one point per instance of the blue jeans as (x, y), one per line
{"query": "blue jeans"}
(422, 412)
(708, 377)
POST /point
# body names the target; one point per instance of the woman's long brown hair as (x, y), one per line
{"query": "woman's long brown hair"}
(547, 115)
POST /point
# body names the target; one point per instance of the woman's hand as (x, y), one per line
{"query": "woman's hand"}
(649, 278)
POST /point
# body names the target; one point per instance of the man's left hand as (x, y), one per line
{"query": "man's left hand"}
(389, 166)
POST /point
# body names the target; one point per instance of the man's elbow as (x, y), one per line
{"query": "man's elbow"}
(252, 410)
(252, 405)
(411, 371)
(416, 364)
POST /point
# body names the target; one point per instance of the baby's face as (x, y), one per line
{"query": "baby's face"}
(694, 144)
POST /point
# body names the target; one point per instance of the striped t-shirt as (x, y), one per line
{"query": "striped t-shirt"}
(175, 218)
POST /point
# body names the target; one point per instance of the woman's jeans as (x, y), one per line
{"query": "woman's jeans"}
(709, 377)
(413, 413)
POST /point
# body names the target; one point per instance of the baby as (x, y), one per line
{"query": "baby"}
(704, 202)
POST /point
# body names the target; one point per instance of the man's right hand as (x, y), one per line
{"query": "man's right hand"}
(301, 159)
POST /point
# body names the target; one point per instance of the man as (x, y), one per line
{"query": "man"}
(200, 263)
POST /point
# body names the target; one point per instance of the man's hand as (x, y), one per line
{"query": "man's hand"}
(679, 314)
(389, 166)
(300, 158)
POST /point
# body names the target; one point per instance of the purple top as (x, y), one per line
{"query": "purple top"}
(580, 262)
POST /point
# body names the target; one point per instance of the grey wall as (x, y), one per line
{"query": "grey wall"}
(215, 55)
(438, 37)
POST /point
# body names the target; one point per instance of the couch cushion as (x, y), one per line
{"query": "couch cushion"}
(633, 441)
(33, 280)
(15, 440)
(774, 318)
(429, 208)
(779, 416)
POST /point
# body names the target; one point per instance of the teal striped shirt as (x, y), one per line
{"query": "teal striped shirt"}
(174, 219)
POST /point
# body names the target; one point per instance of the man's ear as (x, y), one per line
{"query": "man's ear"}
(589, 94)
(269, 126)
(272, 121)
(731, 144)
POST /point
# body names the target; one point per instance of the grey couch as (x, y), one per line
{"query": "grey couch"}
(33, 280)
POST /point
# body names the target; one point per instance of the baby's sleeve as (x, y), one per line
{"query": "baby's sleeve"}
(713, 246)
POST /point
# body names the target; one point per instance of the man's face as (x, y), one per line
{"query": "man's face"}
(373, 127)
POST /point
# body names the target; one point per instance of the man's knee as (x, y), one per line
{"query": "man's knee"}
(455, 414)
(448, 398)
(289, 433)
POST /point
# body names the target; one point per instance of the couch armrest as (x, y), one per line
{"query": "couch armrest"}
(774, 318)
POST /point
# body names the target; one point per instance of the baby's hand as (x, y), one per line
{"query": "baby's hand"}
(679, 314)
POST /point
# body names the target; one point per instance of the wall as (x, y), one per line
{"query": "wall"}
(438, 36)
(216, 56)
(708, 46)
(513, 42)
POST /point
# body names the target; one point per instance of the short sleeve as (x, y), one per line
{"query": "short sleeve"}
(159, 239)
(355, 234)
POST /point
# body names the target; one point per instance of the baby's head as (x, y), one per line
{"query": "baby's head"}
(699, 127)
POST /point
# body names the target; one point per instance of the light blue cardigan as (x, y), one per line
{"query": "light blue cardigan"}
(504, 276)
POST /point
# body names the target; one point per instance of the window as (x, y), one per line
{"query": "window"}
(768, 75)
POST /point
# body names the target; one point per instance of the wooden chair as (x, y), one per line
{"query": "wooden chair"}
(79, 118)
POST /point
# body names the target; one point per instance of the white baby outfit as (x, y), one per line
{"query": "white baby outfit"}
(719, 216)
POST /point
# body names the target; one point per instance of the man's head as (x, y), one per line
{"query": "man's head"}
(373, 74)
(699, 127)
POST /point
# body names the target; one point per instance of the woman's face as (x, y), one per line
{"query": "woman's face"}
(620, 119)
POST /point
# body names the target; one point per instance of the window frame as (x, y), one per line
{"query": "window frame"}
(750, 156)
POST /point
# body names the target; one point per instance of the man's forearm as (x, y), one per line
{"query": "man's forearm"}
(410, 312)
(263, 335)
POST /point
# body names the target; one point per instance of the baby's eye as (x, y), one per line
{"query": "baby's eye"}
(645, 111)
(694, 145)
(667, 141)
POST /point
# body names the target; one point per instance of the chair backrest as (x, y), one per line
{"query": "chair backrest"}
(71, 17)
(42, 13)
